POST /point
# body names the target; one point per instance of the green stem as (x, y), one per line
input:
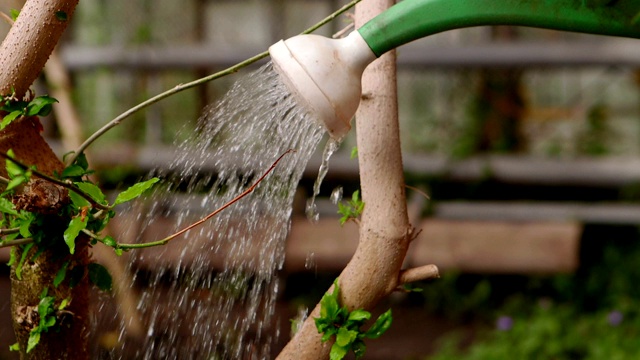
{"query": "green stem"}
(65, 185)
(181, 87)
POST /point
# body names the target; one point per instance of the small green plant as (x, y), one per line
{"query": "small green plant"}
(15, 109)
(338, 321)
(14, 13)
(352, 209)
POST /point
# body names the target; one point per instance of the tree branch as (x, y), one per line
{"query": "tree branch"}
(199, 222)
(4, 232)
(15, 242)
(425, 272)
(58, 182)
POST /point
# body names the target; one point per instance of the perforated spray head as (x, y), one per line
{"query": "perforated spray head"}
(325, 74)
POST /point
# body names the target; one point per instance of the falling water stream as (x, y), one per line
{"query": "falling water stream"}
(193, 308)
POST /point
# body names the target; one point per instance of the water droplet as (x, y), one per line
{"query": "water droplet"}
(330, 147)
(336, 195)
(310, 261)
(311, 211)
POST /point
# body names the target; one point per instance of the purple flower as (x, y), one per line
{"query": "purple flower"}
(614, 318)
(504, 323)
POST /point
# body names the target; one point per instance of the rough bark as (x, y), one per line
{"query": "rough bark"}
(385, 232)
(23, 54)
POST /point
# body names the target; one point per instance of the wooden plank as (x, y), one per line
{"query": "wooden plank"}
(325, 246)
(498, 247)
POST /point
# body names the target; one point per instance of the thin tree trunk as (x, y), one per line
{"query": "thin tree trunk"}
(23, 54)
(374, 270)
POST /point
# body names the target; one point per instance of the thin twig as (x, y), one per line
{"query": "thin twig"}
(203, 220)
(15, 242)
(57, 182)
(6, 18)
(4, 180)
(4, 232)
(178, 88)
(421, 192)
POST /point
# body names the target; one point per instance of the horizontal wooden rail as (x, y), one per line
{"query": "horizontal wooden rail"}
(595, 52)
(602, 172)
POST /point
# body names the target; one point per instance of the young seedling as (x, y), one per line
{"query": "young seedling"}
(336, 320)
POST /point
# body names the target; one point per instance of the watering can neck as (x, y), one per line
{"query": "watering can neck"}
(413, 19)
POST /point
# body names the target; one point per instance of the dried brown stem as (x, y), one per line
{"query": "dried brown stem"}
(206, 218)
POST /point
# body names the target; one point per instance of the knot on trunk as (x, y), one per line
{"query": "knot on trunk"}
(41, 196)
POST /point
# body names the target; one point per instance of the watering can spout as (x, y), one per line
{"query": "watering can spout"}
(325, 73)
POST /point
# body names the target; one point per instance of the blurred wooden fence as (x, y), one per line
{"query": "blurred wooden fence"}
(121, 52)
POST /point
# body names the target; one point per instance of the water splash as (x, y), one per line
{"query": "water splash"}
(331, 147)
(211, 294)
(336, 195)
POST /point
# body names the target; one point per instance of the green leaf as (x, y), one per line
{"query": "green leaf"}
(358, 348)
(62, 273)
(26, 220)
(7, 207)
(64, 303)
(49, 322)
(14, 347)
(77, 200)
(81, 161)
(345, 337)
(135, 191)
(359, 315)
(23, 258)
(100, 277)
(13, 169)
(12, 257)
(354, 152)
(15, 182)
(14, 16)
(329, 303)
(76, 225)
(73, 171)
(9, 118)
(328, 334)
(381, 325)
(338, 352)
(92, 190)
(40, 106)
(34, 339)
